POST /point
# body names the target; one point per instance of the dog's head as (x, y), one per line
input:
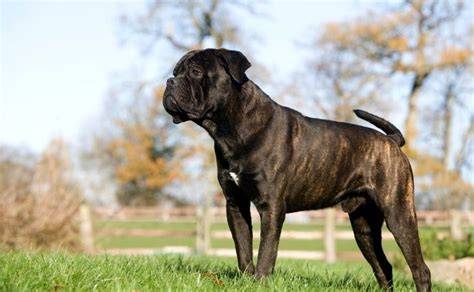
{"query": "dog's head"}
(203, 82)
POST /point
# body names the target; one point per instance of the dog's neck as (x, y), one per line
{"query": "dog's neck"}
(246, 116)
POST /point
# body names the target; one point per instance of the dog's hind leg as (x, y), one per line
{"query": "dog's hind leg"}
(401, 220)
(366, 221)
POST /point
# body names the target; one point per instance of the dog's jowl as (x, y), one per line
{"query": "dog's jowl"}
(283, 162)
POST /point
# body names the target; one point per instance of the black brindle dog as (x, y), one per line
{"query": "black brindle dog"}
(284, 162)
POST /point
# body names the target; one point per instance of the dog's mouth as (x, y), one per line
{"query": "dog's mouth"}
(172, 107)
(177, 119)
(181, 113)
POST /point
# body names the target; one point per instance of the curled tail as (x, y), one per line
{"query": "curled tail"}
(386, 126)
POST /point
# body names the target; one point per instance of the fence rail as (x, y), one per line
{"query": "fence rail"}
(301, 235)
(190, 213)
(329, 218)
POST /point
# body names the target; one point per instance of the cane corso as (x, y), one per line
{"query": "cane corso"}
(283, 162)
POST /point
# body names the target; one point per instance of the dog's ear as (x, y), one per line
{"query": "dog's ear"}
(235, 63)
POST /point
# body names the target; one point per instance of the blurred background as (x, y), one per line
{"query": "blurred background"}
(90, 161)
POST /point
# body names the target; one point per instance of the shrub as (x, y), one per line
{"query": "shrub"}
(435, 248)
(39, 204)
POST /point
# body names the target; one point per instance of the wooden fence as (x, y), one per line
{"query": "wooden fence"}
(328, 218)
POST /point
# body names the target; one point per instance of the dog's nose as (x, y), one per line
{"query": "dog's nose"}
(171, 81)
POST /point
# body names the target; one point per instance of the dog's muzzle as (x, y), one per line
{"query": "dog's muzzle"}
(171, 106)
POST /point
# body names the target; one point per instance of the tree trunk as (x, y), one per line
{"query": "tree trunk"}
(410, 122)
(448, 108)
(421, 73)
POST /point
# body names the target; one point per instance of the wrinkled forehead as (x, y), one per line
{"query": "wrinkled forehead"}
(205, 59)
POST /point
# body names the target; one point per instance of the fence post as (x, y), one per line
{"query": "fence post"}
(87, 236)
(455, 224)
(203, 234)
(199, 230)
(329, 235)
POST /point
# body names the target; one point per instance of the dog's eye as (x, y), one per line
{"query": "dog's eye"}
(196, 72)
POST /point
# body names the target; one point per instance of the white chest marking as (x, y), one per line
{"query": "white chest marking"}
(234, 177)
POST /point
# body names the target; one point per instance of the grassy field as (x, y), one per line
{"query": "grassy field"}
(285, 243)
(56, 271)
(156, 242)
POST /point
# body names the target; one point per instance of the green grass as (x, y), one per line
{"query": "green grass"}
(144, 242)
(346, 249)
(21, 271)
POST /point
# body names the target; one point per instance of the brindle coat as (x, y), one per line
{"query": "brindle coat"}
(283, 162)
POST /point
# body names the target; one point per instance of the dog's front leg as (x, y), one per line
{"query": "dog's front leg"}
(240, 224)
(272, 218)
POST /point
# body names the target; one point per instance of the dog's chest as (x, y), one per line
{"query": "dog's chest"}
(246, 184)
(234, 177)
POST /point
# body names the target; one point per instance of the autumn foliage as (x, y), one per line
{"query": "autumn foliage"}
(141, 154)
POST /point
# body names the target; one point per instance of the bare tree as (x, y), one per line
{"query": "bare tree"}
(342, 81)
(187, 25)
(409, 40)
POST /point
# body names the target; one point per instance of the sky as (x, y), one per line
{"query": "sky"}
(58, 59)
